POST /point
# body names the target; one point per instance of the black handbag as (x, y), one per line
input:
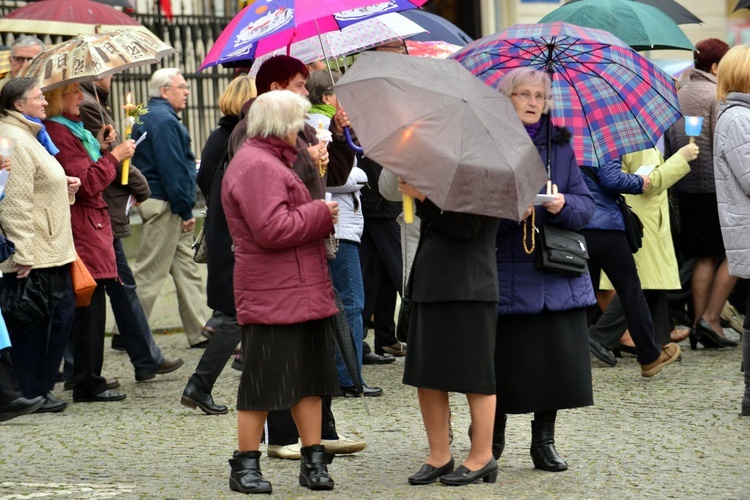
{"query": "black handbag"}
(7, 248)
(633, 224)
(561, 251)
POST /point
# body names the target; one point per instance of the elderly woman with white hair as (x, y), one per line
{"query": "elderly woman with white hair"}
(542, 362)
(283, 292)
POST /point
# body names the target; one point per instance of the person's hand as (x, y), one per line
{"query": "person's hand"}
(689, 151)
(124, 150)
(23, 271)
(5, 164)
(188, 225)
(646, 182)
(74, 183)
(409, 190)
(333, 208)
(555, 205)
(340, 120)
(106, 136)
(527, 213)
(319, 154)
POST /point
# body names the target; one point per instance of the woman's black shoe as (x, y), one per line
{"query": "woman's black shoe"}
(543, 452)
(429, 474)
(313, 472)
(246, 476)
(462, 475)
(195, 397)
(709, 338)
(621, 348)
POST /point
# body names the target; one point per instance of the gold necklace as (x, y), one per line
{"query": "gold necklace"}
(533, 229)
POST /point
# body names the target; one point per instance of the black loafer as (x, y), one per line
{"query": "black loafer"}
(429, 474)
(462, 476)
(601, 353)
(195, 397)
(102, 397)
(52, 405)
(20, 406)
(351, 392)
(376, 359)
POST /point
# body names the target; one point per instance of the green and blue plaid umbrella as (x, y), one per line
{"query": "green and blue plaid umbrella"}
(612, 99)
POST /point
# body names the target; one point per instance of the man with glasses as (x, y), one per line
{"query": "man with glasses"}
(167, 161)
(22, 52)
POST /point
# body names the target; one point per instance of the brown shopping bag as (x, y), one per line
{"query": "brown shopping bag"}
(83, 284)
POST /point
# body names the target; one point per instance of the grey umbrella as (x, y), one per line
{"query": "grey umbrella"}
(434, 124)
(344, 339)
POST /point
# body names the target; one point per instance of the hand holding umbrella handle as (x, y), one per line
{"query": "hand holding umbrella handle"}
(350, 142)
(408, 202)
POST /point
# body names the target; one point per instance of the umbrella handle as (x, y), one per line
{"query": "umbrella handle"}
(350, 142)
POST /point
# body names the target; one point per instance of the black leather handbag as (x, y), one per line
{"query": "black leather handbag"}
(633, 224)
(561, 251)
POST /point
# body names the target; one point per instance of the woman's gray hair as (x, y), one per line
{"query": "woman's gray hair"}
(527, 76)
(15, 90)
(161, 78)
(319, 85)
(277, 114)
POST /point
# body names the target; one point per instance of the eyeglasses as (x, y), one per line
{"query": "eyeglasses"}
(180, 87)
(526, 96)
(38, 98)
(20, 59)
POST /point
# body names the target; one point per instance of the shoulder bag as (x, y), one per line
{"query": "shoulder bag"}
(200, 249)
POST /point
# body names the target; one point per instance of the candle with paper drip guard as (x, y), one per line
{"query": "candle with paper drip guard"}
(693, 127)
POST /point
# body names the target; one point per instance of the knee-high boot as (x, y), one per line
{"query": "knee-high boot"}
(313, 472)
(543, 451)
(746, 369)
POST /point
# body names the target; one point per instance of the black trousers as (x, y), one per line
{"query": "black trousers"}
(9, 389)
(380, 258)
(283, 431)
(220, 347)
(609, 252)
(612, 324)
(88, 344)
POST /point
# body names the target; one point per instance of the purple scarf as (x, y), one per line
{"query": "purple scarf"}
(533, 129)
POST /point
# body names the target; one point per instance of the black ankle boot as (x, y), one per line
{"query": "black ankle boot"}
(543, 451)
(498, 436)
(246, 476)
(746, 368)
(313, 472)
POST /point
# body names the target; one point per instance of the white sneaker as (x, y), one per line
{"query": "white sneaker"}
(289, 451)
(343, 445)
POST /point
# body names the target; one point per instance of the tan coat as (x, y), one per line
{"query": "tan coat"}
(35, 213)
(656, 261)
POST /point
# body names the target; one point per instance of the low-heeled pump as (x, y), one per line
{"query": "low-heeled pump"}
(428, 474)
(707, 336)
(462, 475)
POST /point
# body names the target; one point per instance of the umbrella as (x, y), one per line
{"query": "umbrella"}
(742, 4)
(613, 99)
(263, 27)
(66, 17)
(32, 298)
(641, 26)
(92, 57)
(442, 130)
(431, 49)
(438, 28)
(674, 10)
(344, 339)
(352, 39)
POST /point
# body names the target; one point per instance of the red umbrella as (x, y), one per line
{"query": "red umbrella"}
(66, 17)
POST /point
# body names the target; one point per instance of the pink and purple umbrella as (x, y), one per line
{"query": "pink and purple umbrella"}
(612, 99)
(267, 25)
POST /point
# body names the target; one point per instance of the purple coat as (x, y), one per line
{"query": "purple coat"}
(524, 289)
(281, 272)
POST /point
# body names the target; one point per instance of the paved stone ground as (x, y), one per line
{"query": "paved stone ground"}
(677, 435)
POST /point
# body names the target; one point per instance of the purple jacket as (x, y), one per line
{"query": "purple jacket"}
(280, 272)
(524, 289)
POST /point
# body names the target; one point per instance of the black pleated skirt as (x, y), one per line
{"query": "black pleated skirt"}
(542, 362)
(451, 346)
(284, 363)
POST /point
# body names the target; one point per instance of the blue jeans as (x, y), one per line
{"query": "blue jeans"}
(346, 274)
(132, 322)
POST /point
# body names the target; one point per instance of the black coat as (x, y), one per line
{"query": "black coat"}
(373, 203)
(455, 260)
(220, 283)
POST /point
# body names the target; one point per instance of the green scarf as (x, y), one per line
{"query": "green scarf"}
(93, 148)
(324, 109)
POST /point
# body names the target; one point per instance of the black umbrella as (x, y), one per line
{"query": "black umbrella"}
(345, 344)
(32, 299)
(677, 12)
(742, 4)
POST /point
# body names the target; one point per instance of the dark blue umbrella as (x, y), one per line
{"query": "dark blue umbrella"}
(439, 29)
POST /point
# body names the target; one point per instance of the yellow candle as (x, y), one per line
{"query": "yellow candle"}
(126, 163)
(408, 209)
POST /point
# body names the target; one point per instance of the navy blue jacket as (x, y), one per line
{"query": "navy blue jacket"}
(613, 180)
(524, 289)
(165, 158)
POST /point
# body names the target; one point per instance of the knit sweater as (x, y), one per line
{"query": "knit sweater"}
(35, 213)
